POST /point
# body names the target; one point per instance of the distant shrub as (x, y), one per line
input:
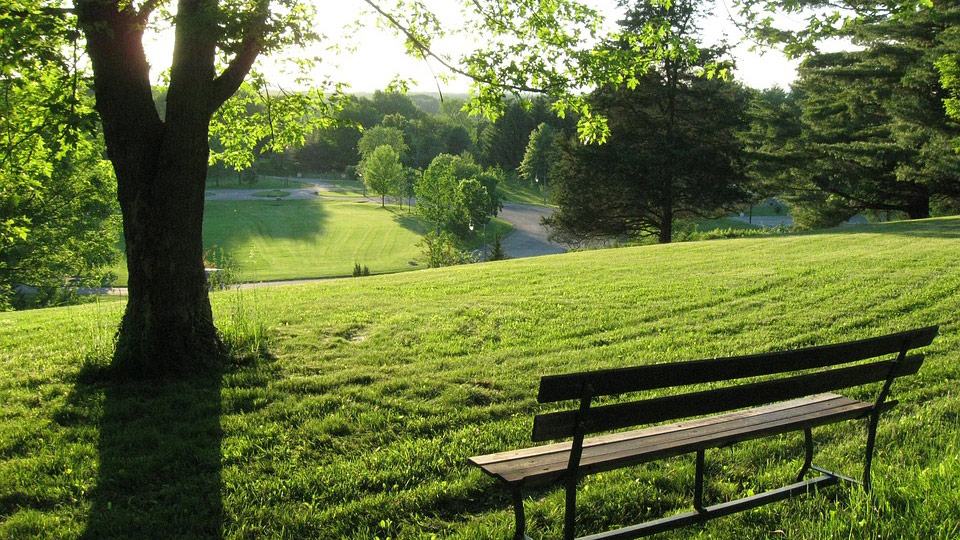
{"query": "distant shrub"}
(716, 234)
(496, 252)
(222, 271)
(443, 250)
(360, 270)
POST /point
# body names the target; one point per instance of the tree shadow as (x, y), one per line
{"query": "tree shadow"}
(944, 228)
(410, 221)
(232, 224)
(160, 458)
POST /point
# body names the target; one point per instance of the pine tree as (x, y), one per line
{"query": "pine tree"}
(672, 151)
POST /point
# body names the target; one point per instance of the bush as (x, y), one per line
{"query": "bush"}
(360, 270)
(441, 249)
(496, 252)
(222, 272)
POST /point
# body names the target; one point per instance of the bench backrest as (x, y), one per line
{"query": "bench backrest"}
(587, 385)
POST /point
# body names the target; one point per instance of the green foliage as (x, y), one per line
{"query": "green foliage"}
(497, 252)
(382, 171)
(949, 67)
(443, 249)
(222, 270)
(376, 391)
(866, 129)
(58, 222)
(672, 151)
(541, 155)
(378, 136)
(455, 193)
(255, 122)
(359, 271)
(904, 22)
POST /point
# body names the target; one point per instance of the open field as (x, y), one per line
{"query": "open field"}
(295, 239)
(375, 391)
(291, 239)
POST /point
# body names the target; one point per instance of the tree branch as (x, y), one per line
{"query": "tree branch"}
(232, 77)
(427, 52)
(147, 9)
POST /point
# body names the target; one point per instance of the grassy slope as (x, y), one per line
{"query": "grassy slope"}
(514, 190)
(380, 388)
(291, 239)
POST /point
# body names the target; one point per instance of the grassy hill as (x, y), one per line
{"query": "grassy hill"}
(376, 390)
(311, 238)
(272, 240)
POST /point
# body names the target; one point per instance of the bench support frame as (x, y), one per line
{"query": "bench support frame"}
(701, 513)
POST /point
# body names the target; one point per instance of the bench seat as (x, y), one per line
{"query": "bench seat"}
(542, 465)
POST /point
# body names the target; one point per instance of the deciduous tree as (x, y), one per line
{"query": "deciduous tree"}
(382, 171)
(160, 160)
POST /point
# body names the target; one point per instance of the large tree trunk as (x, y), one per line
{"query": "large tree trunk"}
(919, 208)
(161, 169)
(666, 226)
(168, 323)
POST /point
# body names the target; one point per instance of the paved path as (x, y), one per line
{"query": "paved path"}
(529, 237)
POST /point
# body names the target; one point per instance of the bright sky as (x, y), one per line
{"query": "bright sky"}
(378, 56)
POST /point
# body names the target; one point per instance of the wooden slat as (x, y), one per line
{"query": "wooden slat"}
(622, 454)
(564, 447)
(622, 415)
(649, 377)
(548, 468)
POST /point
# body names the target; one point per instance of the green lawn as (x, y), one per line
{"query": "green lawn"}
(375, 391)
(271, 240)
(514, 190)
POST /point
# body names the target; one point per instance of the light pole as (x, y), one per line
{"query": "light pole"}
(485, 239)
(543, 189)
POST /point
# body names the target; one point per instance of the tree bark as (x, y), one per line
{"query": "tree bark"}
(161, 167)
(919, 208)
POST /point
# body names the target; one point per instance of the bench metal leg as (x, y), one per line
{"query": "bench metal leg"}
(808, 453)
(570, 516)
(520, 526)
(871, 442)
(698, 483)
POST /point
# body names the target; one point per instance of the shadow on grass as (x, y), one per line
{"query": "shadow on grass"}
(233, 224)
(410, 221)
(159, 472)
(945, 228)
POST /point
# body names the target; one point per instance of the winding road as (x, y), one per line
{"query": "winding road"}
(529, 237)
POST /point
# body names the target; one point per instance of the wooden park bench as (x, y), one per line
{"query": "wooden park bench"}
(727, 414)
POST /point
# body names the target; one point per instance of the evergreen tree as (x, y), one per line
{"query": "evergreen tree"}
(540, 155)
(872, 132)
(672, 150)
